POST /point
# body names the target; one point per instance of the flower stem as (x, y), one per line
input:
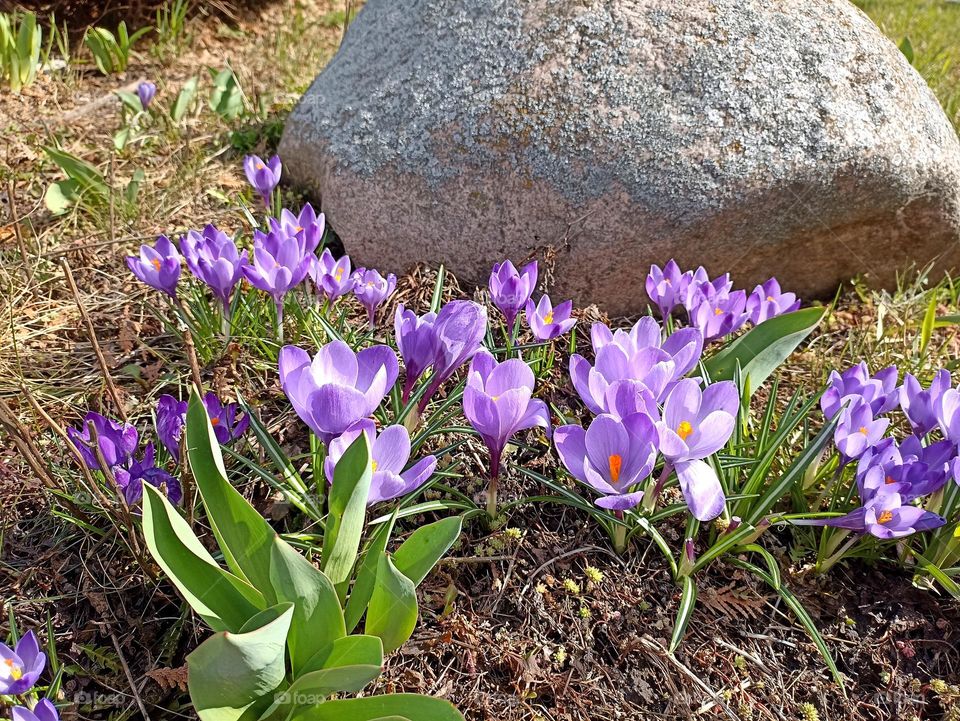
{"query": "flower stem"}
(619, 535)
(280, 320)
(492, 486)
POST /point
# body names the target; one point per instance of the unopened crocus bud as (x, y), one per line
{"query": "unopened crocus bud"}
(688, 559)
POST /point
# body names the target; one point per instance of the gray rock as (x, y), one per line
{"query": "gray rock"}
(789, 139)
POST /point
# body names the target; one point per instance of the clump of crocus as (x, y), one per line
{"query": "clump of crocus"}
(279, 263)
(331, 277)
(498, 401)
(157, 266)
(263, 176)
(213, 258)
(389, 454)
(667, 287)
(337, 387)
(306, 226)
(696, 424)
(131, 476)
(719, 314)
(768, 301)
(372, 289)
(44, 710)
(548, 322)
(417, 342)
(21, 666)
(171, 417)
(920, 405)
(510, 290)
(878, 391)
(459, 331)
(858, 430)
(145, 91)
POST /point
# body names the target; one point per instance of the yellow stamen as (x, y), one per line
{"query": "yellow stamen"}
(718, 312)
(298, 229)
(156, 264)
(373, 465)
(684, 429)
(863, 430)
(259, 166)
(16, 673)
(770, 298)
(339, 274)
(615, 462)
(548, 318)
(885, 517)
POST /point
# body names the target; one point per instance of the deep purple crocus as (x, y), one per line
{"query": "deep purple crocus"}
(171, 417)
(145, 91)
(337, 387)
(306, 226)
(920, 405)
(696, 424)
(612, 456)
(117, 441)
(157, 266)
(666, 287)
(858, 430)
(767, 301)
(417, 342)
(879, 391)
(948, 414)
(510, 290)
(886, 515)
(279, 264)
(213, 258)
(44, 710)
(389, 453)
(548, 322)
(460, 328)
(498, 401)
(331, 277)
(264, 177)
(131, 477)
(718, 315)
(372, 289)
(20, 667)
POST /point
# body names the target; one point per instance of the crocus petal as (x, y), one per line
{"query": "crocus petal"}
(701, 489)
(621, 502)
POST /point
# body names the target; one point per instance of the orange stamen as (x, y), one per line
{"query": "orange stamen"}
(885, 517)
(616, 462)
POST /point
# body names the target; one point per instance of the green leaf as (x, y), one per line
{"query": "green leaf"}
(946, 320)
(366, 577)
(347, 510)
(380, 708)
(761, 350)
(221, 599)
(348, 679)
(357, 649)
(61, 196)
(906, 47)
(688, 601)
(184, 99)
(229, 674)
(417, 556)
(929, 320)
(392, 613)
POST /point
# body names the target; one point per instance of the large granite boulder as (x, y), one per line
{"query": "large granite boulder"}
(788, 138)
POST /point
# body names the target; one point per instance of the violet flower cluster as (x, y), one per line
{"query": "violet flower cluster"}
(264, 176)
(20, 669)
(894, 476)
(512, 290)
(171, 419)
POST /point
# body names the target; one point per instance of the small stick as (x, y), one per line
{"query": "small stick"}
(126, 671)
(91, 333)
(15, 220)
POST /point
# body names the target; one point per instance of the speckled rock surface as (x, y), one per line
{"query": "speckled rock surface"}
(788, 139)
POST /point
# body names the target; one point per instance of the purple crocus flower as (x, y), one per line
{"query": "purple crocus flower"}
(858, 430)
(696, 424)
(43, 711)
(117, 441)
(886, 516)
(307, 227)
(698, 287)
(332, 277)
(920, 405)
(337, 387)
(157, 266)
(279, 264)
(145, 91)
(417, 343)
(510, 290)
(767, 301)
(212, 257)
(548, 322)
(20, 667)
(460, 328)
(389, 453)
(879, 391)
(223, 417)
(667, 287)
(720, 314)
(372, 289)
(948, 414)
(131, 477)
(612, 456)
(264, 177)
(498, 401)
(171, 417)
(910, 469)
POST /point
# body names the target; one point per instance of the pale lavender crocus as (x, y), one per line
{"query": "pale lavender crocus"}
(145, 92)
(667, 287)
(919, 405)
(459, 330)
(510, 290)
(372, 289)
(719, 314)
(307, 226)
(389, 454)
(279, 263)
(498, 402)
(548, 322)
(696, 424)
(858, 430)
(948, 414)
(44, 710)
(417, 342)
(879, 391)
(263, 176)
(886, 515)
(331, 276)
(910, 469)
(157, 266)
(21, 666)
(337, 387)
(768, 301)
(213, 258)
(613, 456)
(698, 287)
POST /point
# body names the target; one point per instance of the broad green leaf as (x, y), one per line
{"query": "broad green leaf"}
(417, 556)
(762, 349)
(326, 681)
(392, 613)
(184, 99)
(221, 599)
(380, 708)
(353, 650)
(688, 601)
(347, 510)
(366, 577)
(946, 320)
(89, 179)
(61, 196)
(230, 674)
